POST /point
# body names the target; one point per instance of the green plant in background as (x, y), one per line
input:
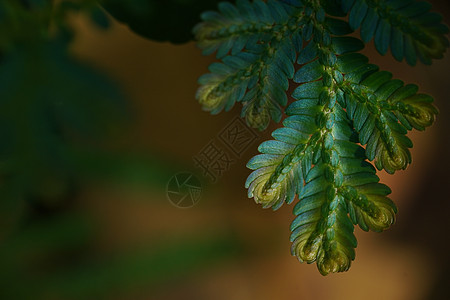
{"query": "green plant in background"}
(57, 114)
(52, 106)
(59, 120)
(346, 111)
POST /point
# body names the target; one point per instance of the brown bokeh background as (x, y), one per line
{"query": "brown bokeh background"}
(408, 262)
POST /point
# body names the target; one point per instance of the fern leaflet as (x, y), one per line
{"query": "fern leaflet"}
(407, 27)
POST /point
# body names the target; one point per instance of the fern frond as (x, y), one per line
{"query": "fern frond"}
(340, 188)
(342, 104)
(407, 27)
(340, 95)
(257, 43)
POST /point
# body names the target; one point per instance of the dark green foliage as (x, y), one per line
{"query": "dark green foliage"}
(56, 113)
(41, 118)
(59, 120)
(407, 27)
(161, 20)
(341, 101)
(50, 104)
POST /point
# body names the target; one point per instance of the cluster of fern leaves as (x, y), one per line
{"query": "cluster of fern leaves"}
(347, 112)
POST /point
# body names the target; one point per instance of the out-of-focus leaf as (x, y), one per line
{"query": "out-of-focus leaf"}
(49, 101)
(55, 112)
(161, 20)
(22, 23)
(12, 209)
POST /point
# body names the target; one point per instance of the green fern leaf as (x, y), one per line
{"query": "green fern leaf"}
(407, 27)
(342, 102)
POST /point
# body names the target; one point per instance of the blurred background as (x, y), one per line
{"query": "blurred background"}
(85, 213)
